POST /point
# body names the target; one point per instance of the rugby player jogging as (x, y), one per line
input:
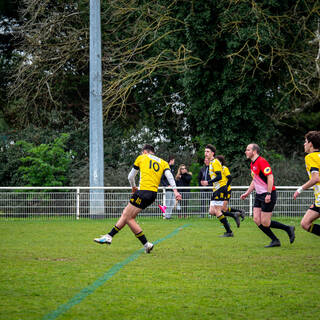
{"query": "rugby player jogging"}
(266, 196)
(312, 160)
(219, 187)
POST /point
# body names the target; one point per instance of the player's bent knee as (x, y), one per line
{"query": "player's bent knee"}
(128, 215)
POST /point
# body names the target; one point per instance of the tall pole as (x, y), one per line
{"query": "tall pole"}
(96, 118)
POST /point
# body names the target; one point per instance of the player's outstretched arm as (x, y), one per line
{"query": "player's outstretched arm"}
(250, 189)
(315, 178)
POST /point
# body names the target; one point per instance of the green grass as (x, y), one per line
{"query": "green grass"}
(192, 275)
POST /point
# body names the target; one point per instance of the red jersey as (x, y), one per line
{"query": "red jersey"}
(260, 169)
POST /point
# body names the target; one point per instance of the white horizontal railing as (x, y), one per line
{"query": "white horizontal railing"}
(108, 202)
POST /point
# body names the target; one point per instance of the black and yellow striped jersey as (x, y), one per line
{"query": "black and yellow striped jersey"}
(151, 169)
(214, 166)
(225, 173)
(312, 161)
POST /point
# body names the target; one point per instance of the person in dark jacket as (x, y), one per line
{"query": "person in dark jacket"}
(183, 179)
(205, 194)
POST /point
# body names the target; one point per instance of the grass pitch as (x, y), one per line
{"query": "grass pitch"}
(54, 270)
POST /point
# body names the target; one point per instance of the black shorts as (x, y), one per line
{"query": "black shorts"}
(265, 207)
(219, 194)
(143, 198)
(315, 208)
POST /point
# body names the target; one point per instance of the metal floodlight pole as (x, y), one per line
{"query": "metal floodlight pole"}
(96, 117)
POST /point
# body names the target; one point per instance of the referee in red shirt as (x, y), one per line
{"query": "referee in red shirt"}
(266, 196)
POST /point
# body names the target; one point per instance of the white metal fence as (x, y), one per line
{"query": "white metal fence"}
(74, 202)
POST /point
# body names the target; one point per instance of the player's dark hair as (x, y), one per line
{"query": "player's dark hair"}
(211, 147)
(171, 157)
(148, 148)
(314, 138)
(222, 159)
(255, 147)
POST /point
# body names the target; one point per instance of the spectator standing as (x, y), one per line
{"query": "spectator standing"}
(170, 197)
(204, 193)
(183, 179)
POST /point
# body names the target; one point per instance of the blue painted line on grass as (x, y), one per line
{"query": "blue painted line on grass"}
(99, 282)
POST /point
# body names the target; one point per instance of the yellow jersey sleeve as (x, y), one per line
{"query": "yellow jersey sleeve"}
(151, 169)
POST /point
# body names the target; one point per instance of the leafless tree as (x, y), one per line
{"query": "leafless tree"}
(55, 47)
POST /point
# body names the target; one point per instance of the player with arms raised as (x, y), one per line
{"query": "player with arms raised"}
(151, 169)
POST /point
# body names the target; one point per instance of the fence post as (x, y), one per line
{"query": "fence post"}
(78, 204)
(250, 205)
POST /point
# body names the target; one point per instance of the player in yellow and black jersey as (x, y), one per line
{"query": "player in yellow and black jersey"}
(312, 160)
(219, 188)
(226, 209)
(151, 169)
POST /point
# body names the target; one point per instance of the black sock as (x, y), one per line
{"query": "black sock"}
(114, 231)
(315, 229)
(268, 232)
(225, 223)
(233, 210)
(278, 225)
(228, 214)
(142, 237)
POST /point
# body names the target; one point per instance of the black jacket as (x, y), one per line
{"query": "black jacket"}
(203, 175)
(184, 181)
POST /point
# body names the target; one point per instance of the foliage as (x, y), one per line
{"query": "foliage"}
(52, 75)
(292, 130)
(9, 164)
(143, 53)
(176, 73)
(46, 164)
(53, 71)
(289, 171)
(258, 68)
(8, 56)
(195, 169)
(122, 149)
(11, 152)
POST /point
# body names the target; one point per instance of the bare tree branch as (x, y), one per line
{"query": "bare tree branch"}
(55, 46)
